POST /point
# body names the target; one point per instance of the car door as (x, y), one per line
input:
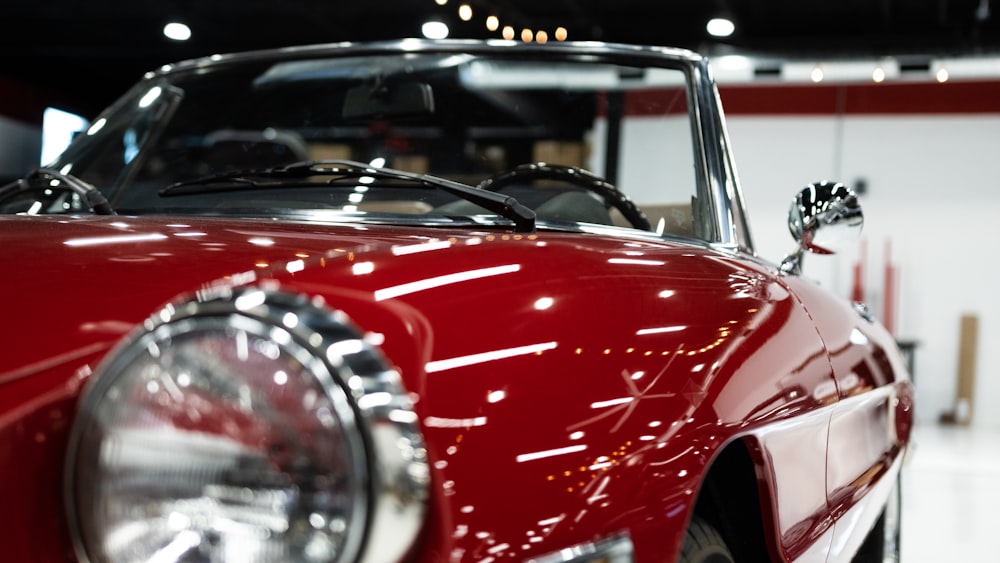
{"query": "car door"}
(865, 430)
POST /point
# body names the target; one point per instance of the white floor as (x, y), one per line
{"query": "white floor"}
(951, 496)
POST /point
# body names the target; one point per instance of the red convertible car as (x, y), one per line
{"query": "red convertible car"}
(432, 302)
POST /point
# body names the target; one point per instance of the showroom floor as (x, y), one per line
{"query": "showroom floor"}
(951, 488)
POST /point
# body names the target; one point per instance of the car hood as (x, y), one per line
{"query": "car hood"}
(536, 361)
(76, 285)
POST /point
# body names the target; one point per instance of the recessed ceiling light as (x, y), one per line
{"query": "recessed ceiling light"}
(720, 27)
(435, 30)
(177, 31)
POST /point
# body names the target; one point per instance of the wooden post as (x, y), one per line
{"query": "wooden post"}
(966, 386)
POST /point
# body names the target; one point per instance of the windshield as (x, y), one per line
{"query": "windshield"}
(468, 118)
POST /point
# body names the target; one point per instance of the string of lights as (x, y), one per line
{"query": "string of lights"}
(493, 24)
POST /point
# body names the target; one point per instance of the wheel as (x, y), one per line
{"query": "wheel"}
(576, 176)
(704, 544)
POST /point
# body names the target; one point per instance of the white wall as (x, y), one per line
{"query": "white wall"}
(933, 194)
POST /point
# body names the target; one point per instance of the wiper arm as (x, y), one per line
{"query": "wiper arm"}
(42, 177)
(505, 206)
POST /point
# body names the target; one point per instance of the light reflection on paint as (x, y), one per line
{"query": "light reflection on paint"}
(659, 330)
(439, 281)
(439, 422)
(858, 337)
(544, 303)
(635, 262)
(118, 239)
(362, 268)
(472, 359)
(610, 403)
(550, 453)
(422, 247)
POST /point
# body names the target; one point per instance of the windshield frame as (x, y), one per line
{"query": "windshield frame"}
(715, 174)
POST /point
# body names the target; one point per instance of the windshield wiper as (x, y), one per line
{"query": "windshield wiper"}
(237, 180)
(41, 178)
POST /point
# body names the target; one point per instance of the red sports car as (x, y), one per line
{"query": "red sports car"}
(432, 302)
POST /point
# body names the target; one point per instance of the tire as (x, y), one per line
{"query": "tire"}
(704, 544)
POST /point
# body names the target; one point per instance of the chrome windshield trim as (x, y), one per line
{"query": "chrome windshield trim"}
(724, 187)
(495, 46)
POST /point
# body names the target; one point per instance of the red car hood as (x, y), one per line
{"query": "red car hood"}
(493, 332)
(75, 286)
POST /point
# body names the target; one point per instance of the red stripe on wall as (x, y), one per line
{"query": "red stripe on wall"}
(862, 99)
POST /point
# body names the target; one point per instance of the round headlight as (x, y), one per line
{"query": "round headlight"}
(245, 426)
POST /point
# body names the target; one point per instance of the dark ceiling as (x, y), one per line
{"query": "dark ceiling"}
(85, 52)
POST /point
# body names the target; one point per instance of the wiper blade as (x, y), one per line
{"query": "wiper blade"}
(505, 206)
(40, 178)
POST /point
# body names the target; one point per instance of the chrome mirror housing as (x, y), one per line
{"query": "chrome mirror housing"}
(824, 218)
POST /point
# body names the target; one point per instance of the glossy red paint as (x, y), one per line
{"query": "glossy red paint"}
(581, 387)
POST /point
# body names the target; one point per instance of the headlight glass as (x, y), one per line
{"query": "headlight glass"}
(223, 436)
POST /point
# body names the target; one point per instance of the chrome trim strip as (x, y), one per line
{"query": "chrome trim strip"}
(730, 221)
(572, 49)
(617, 549)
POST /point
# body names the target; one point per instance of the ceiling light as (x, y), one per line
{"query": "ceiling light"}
(177, 31)
(441, 2)
(720, 27)
(542, 37)
(492, 23)
(561, 34)
(508, 32)
(878, 75)
(465, 12)
(816, 75)
(435, 30)
(527, 35)
(942, 75)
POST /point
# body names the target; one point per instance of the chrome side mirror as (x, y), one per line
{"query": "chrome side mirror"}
(824, 218)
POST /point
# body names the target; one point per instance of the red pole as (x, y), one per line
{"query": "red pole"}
(858, 290)
(889, 313)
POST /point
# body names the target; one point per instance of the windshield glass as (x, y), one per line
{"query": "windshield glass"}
(459, 116)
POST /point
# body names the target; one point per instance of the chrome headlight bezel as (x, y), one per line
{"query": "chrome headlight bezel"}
(374, 412)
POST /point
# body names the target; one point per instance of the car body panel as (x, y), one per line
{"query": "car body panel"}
(690, 310)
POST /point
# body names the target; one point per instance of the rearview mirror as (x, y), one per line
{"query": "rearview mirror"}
(385, 100)
(824, 218)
